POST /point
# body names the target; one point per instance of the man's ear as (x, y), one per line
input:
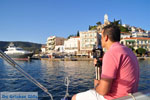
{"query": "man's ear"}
(106, 38)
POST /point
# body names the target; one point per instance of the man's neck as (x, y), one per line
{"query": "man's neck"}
(109, 44)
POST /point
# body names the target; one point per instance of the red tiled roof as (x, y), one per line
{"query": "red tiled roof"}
(125, 33)
(43, 46)
(75, 37)
(142, 38)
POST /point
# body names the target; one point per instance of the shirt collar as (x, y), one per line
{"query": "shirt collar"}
(114, 44)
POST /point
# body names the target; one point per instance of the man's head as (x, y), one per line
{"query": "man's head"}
(110, 34)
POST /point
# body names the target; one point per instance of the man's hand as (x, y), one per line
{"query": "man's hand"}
(95, 61)
(96, 83)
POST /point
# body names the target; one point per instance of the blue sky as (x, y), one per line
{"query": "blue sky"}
(35, 20)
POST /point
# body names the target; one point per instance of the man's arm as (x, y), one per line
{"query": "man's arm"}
(103, 86)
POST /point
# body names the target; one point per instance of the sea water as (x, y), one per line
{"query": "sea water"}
(52, 75)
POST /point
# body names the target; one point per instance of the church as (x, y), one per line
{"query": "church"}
(106, 22)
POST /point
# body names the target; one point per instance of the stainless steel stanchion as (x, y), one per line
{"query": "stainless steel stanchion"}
(98, 70)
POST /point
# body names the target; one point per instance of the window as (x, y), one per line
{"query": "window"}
(75, 45)
(143, 42)
(92, 40)
(121, 42)
(139, 42)
(82, 35)
(86, 45)
(19, 49)
(129, 42)
(83, 45)
(88, 35)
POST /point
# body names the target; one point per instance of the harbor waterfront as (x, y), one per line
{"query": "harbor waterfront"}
(83, 59)
(52, 75)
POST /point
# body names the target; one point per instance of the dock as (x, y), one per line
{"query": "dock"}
(143, 58)
(68, 59)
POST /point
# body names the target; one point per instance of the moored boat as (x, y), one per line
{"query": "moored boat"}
(18, 53)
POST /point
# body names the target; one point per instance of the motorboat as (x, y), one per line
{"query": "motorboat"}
(17, 52)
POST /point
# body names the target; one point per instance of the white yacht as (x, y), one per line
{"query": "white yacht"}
(17, 52)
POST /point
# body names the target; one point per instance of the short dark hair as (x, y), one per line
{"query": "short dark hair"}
(113, 32)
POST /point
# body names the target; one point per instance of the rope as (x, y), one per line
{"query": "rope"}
(67, 81)
(130, 94)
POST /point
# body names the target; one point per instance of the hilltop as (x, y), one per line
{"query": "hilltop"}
(25, 45)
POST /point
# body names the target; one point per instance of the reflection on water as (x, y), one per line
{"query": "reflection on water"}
(144, 74)
(52, 74)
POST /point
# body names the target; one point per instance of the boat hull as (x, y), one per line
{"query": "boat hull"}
(20, 55)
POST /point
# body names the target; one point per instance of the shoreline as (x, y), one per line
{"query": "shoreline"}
(68, 59)
(83, 59)
(143, 58)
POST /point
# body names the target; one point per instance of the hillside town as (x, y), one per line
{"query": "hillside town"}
(82, 45)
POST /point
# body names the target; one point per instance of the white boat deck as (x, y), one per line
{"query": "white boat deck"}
(142, 95)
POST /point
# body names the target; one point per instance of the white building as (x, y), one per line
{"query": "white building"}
(133, 29)
(59, 48)
(125, 25)
(139, 34)
(72, 45)
(148, 32)
(43, 49)
(137, 42)
(89, 39)
(53, 41)
(106, 22)
(125, 35)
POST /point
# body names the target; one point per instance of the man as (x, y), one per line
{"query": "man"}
(120, 69)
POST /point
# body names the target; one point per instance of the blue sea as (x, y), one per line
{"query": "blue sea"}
(52, 75)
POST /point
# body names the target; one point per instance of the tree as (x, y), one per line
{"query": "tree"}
(37, 51)
(131, 48)
(119, 24)
(93, 27)
(70, 36)
(89, 27)
(116, 22)
(78, 34)
(98, 23)
(123, 29)
(140, 51)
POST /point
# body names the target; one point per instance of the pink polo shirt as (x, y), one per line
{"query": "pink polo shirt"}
(121, 65)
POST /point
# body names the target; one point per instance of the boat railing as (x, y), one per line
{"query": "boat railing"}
(141, 95)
